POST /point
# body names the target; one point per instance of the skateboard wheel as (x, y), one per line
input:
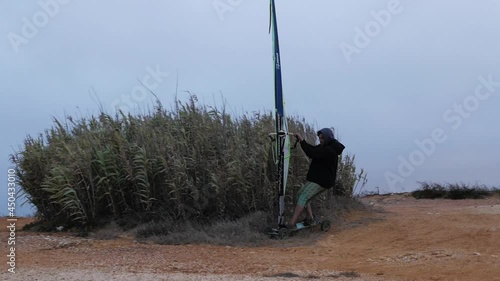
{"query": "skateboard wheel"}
(325, 225)
(283, 233)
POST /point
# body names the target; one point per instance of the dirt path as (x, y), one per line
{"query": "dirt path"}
(410, 240)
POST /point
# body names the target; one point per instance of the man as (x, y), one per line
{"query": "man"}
(321, 174)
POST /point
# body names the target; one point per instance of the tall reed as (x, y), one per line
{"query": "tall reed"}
(191, 162)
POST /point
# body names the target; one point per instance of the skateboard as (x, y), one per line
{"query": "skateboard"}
(282, 232)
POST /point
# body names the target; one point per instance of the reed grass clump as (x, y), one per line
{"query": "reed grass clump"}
(192, 162)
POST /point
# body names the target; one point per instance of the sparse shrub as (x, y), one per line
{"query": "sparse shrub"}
(349, 181)
(452, 191)
(463, 191)
(107, 232)
(350, 274)
(335, 208)
(429, 191)
(155, 228)
(228, 232)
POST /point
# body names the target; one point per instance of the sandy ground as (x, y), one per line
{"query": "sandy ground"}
(408, 240)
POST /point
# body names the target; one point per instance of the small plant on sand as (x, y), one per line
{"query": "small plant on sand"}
(452, 191)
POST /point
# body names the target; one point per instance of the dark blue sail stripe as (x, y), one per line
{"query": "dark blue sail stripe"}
(282, 142)
(278, 90)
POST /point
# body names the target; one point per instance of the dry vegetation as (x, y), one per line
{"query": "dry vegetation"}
(453, 191)
(192, 169)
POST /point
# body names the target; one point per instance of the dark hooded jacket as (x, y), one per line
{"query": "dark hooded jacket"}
(325, 157)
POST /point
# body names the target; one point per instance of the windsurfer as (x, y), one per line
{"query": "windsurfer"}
(321, 174)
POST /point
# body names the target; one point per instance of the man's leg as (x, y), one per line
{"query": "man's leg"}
(296, 214)
(299, 207)
(308, 191)
(309, 210)
(298, 211)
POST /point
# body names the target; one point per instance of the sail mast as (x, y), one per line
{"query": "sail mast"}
(282, 140)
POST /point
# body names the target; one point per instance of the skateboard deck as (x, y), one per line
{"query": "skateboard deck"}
(282, 232)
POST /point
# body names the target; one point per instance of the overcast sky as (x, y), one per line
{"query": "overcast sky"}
(412, 87)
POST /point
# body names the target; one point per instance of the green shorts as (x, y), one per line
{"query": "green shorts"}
(308, 191)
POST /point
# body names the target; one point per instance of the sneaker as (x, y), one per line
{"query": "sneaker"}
(291, 226)
(311, 222)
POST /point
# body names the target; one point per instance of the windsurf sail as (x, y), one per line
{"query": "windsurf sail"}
(281, 137)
